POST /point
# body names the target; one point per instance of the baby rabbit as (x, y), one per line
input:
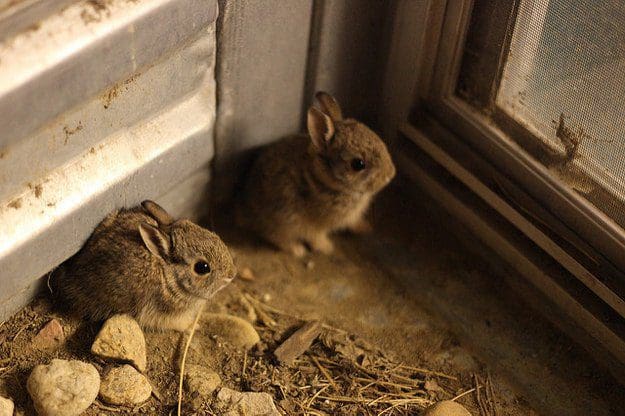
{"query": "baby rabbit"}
(142, 262)
(302, 188)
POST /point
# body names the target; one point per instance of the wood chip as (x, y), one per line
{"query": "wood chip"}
(298, 343)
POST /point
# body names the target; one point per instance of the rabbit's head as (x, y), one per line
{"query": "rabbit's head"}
(347, 154)
(198, 260)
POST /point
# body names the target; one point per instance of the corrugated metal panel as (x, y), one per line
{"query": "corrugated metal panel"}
(102, 104)
(263, 49)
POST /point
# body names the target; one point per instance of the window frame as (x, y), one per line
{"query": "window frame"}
(441, 104)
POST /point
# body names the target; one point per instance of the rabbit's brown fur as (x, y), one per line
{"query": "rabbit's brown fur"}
(141, 262)
(302, 188)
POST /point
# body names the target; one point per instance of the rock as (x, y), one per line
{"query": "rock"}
(247, 274)
(234, 403)
(446, 408)
(63, 388)
(121, 339)
(6, 407)
(125, 386)
(232, 329)
(200, 383)
(298, 343)
(50, 336)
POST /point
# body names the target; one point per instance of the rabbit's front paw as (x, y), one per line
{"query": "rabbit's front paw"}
(298, 250)
(322, 243)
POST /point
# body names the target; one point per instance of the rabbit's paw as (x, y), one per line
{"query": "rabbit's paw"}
(322, 243)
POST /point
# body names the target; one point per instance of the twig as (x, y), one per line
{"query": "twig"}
(465, 393)
(19, 332)
(321, 390)
(343, 399)
(479, 400)
(388, 409)
(425, 371)
(388, 383)
(109, 408)
(325, 373)
(244, 365)
(184, 356)
(277, 311)
(490, 395)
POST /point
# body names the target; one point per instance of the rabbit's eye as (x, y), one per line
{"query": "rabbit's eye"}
(201, 267)
(358, 164)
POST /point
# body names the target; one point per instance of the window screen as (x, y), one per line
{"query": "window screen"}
(564, 81)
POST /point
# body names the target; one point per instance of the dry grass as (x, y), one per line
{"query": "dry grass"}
(341, 374)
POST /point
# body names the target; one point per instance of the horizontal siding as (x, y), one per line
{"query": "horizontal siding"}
(99, 108)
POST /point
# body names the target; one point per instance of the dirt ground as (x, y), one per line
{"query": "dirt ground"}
(409, 315)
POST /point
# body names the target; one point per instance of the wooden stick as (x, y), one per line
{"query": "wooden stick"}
(325, 374)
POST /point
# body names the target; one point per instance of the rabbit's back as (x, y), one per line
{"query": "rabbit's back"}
(113, 272)
(274, 185)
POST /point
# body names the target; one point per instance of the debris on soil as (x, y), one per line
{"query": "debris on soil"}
(234, 403)
(63, 388)
(337, 374)
(124, 386)
(200, 383)
(484, 396)
(50, 336)
(298, 343)
(446, 408)
(231, 329)
(6, 406)
(121, 339)
(247, 274)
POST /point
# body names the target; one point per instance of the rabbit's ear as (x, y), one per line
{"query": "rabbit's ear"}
(155, 240)
(329, 105)
(320, 128)
(157, 212)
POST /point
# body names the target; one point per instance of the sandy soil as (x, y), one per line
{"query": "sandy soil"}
(407, 294)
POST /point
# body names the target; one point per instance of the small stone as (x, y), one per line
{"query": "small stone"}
(200, 383)
(63, 388)
(6, 406)
(310, 265)
(247, 274)
(234, 403)
(51, 336)
(234, 330)
(446, 408)
(121, 339)
(125, 386)
(267, 297)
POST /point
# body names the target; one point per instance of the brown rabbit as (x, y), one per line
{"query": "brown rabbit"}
(142, 262)
(302, 188)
